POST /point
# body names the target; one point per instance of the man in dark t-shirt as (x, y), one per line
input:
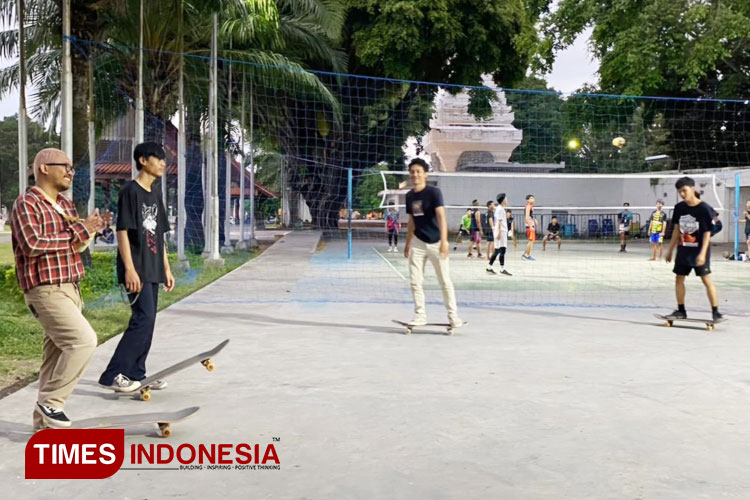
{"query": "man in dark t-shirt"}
(142, 264)
(553, 233)
(427, 239)
(475, 230)
(692, 224)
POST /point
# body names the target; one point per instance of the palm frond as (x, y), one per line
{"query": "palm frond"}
(8, 79)
(9, 43)
(7, 12)
(276, 70)
(306, 41)
(328, 14)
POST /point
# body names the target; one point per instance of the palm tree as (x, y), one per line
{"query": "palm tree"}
(269, 39)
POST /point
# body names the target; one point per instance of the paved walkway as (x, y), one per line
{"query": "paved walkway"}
(522, 404)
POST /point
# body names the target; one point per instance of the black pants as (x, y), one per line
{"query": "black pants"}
(130, 355)
(499, 252)
(392, 237)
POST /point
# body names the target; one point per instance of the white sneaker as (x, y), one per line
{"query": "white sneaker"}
(122, 383)
(158, 385)
(395, 249)
(418, 322)
(456, 323)
(390, 249)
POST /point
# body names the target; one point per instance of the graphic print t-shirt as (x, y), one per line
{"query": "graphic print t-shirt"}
(657, 222)
(141, 213)
(392, 221)
(693, 223)
(421, 206)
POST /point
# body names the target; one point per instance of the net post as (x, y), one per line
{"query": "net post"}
(349, 213)
(737, 215)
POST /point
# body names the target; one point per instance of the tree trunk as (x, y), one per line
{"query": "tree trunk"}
(194, 233)
(80, 130)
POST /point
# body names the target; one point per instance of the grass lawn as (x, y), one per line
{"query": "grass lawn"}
(6, 254)
(21, 336)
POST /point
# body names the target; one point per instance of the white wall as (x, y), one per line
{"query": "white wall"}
(562, 193)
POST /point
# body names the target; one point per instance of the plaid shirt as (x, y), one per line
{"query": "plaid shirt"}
(44, 242)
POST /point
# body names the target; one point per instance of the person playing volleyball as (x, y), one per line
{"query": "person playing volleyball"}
(530, 227)
(657, 227)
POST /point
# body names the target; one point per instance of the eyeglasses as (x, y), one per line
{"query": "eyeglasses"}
(68, 167)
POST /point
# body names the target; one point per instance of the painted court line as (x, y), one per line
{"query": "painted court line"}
(388, 262)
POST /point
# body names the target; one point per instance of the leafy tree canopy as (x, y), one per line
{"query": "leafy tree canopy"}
(659, 47)
(451, 41)
(38, 139)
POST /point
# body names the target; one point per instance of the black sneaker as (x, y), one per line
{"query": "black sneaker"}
(53, 417)
(490, 270)
(677, 314)
(717, 316)
(505, 273)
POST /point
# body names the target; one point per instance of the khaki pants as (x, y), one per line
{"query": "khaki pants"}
(69, 341)
(419, 254)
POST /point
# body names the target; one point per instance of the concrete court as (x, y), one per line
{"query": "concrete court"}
(521, 404)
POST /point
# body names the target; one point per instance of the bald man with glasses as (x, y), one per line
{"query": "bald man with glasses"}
(47, 238)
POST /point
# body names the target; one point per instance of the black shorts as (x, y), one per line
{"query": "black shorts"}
(488, 236)
(684, 270)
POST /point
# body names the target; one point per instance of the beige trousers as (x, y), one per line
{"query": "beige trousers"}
(419, 254)
(69, 340)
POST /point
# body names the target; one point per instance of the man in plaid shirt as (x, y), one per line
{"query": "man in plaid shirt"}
(47, 236)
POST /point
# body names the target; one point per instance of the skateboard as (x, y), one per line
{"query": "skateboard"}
(204, 358)
(162, 419)
(449, 329)
(710, 324)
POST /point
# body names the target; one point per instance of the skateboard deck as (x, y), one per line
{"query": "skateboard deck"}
(162, 419)
(710, 324)
(204, 358)
(448, 328)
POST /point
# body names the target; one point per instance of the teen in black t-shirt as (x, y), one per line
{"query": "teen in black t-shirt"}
(427, 239)
(692, 224)
(141, 213)
(142, 264)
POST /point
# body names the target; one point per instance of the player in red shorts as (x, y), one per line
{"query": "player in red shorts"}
(530, 227)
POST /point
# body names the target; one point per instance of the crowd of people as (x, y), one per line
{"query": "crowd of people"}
(693, 222)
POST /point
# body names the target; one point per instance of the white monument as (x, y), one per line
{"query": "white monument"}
(454, 131)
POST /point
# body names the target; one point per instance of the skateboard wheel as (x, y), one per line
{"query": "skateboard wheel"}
(449, 331)
(668, 323)
(208, 364)
(165, 430)
(709, 327)
(146, 395)
(408, 331)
